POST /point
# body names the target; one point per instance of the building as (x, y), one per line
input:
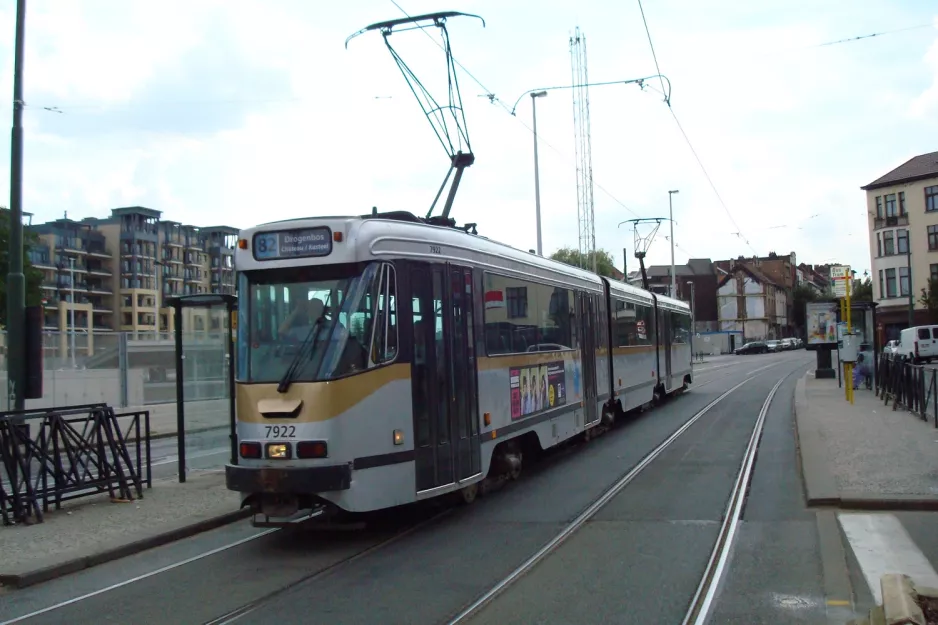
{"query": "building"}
(782, 271)
(815, 277)
(902, 209)
(752, 303)
(116, 273)
(700, 272)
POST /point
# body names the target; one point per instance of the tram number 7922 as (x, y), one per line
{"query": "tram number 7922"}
(280, 431)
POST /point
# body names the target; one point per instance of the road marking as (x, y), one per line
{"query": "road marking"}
(139, 577)
(881, 545)
(837, 602)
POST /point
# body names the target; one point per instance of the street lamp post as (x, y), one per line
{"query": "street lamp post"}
(71, 307)
(908, 258)
(16, 281)
(537, 183)
(671, 215)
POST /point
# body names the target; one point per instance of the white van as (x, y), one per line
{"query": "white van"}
(919, 343)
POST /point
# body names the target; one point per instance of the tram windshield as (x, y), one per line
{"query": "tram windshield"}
(345, 315)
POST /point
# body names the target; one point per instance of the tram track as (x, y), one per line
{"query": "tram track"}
(406, 528)
(244, 611)
(702, 602)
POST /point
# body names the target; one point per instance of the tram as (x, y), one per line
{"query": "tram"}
(383, 360)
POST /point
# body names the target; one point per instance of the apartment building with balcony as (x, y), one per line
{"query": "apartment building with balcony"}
(902, 208)
(78, 269)
(118, 272)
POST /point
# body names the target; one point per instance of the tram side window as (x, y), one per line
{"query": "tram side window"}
(384, 344)
(631, 324)
(523, 316)
(680, 328)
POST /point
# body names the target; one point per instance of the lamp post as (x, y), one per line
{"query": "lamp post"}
(16, 280)
(908, 257)
(671, 216)
(537, 183)
(71, 307)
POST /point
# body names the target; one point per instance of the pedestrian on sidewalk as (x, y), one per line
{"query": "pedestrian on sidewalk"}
(861, 369)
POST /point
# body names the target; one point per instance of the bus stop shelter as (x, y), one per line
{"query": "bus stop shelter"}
(204, 327)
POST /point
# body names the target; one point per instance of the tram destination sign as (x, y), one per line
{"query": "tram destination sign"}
(302, 243)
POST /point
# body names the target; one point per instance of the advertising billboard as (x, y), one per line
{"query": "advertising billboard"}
(821, 320)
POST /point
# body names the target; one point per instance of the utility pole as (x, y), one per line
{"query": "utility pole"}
(71, 308)
(16, 281)
(671, 215)
(908, 256)
(537, 182)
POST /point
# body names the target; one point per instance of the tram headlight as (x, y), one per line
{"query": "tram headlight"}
(278, 450)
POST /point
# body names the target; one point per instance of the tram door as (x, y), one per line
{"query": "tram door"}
(588, 321)
(667, 339)
(446, 427)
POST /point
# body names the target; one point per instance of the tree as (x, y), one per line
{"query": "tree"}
(929, 299)
(33, 275)
(605, 266)
(801, 295)
(862, 290)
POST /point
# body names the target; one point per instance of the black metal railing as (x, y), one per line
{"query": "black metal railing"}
(52, 455)
(904, 384)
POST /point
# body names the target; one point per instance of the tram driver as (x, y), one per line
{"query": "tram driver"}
(305, 314)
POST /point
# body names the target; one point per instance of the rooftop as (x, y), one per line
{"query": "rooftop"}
(918, 168)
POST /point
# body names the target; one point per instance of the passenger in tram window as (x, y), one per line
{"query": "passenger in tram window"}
(301, 319)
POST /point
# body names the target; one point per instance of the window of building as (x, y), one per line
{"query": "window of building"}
(879, 207)
(902, 202)
(933, 269)
(931, 198)
(933, 237)
(879, 244)
(882, 287)
(904, 281)
(888, 244)
(890, 283)
(891, 205)
(545, 320)
(902, 241)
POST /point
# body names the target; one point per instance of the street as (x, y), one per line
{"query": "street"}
(639, 559)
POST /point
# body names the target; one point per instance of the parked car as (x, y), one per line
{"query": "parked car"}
(774, 345)
(891, 348)
(788, 344)
(753, 347)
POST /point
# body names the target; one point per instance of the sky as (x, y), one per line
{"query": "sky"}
(241, 112)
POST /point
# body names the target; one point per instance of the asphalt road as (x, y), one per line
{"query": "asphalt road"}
(638, 560)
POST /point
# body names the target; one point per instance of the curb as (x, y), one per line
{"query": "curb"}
(820, 486)
(816, 475)
(154, 437)
(46, 573)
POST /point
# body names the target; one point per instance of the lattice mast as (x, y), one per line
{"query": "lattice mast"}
(586, 228)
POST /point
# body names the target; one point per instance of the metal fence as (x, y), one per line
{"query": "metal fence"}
(51, 456)
(125, 369)
(906, 385)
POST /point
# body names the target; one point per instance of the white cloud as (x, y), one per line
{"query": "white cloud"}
(242, 112)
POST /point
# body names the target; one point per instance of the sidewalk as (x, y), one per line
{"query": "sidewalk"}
(866, 455)
(93, 530)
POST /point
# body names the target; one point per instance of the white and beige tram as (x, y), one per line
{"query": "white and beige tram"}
(382, 360)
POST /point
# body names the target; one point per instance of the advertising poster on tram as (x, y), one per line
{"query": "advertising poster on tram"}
(536, 388)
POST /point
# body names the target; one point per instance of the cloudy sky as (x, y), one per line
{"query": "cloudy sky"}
(246, 111)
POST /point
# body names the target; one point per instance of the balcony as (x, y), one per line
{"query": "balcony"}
(891, 222)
